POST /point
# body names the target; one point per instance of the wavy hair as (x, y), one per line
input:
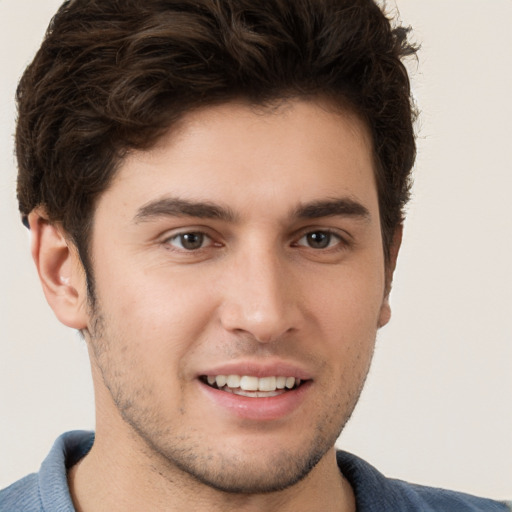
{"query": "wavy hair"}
(114, 75)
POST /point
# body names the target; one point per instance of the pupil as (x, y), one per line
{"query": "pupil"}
(319, 240)
(192, 240)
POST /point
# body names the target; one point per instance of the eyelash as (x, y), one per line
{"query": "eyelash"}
(180, 237)
(330, 234)
(340, 244)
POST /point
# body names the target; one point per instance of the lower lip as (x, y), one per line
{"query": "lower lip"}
(258, 409)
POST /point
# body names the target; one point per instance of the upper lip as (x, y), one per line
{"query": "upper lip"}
(259, 369)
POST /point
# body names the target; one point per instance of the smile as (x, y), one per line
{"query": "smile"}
(251, 386)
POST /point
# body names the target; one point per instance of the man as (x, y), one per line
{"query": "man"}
(215, 192)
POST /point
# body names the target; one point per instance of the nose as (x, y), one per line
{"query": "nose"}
(260, 296)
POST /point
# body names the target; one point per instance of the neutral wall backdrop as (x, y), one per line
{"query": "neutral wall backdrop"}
(437, 407)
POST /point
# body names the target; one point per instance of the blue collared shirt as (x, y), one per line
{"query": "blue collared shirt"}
(48, 491)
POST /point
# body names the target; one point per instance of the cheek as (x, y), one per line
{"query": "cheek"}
(351, 299)
(348, 310)
(159, 315)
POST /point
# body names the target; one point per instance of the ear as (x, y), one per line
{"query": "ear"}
(60, 270)
(385, 310)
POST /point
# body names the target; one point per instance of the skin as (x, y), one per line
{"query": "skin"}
(259, 289)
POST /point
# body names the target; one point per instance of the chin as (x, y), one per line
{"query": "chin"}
(244, 475)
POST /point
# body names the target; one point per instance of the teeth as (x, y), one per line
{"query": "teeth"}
(251, 383)
(221, 380)
(233, 381)
(253, 394)
(268, 384)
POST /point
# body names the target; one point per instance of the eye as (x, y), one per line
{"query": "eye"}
(189, 241)
(319, 240)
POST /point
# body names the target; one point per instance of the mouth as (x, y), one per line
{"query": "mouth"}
(252, 386)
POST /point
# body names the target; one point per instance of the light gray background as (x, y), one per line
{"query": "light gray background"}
(437, 407)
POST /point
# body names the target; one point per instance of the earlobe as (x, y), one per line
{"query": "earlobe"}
(385, 310)
(60, 270)
(385, 313)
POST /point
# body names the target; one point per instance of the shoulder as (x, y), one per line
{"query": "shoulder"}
(442, 499)
(22, 495)
(376, 493)
(47, 490)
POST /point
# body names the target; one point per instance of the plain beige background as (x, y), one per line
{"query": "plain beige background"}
(437, 408)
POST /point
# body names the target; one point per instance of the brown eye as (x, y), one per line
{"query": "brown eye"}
(319, 240)
(189, 241)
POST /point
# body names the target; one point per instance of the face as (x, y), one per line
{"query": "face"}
(240, 282)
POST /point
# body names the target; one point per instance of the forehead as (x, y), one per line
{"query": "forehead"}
(240, 155)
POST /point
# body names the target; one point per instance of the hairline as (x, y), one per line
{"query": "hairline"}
(337, 104)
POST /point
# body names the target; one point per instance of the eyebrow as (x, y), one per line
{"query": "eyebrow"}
(344, 207)
(177, 207)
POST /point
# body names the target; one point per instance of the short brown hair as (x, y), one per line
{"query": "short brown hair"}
(114, 75)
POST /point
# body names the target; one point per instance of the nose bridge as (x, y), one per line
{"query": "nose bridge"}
(258, 297)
